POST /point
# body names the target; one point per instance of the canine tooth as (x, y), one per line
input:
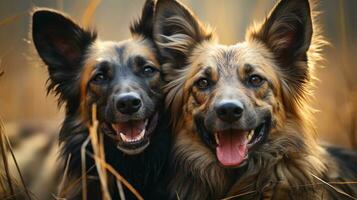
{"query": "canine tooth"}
(141, 135)
(216, 137)
(146, 122)
(250, 135)
(123, 137)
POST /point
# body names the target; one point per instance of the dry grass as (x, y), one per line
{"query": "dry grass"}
(101, 165)
(98, 149)
(6, 146)
(333, 187)
(89, 12)
(6, 164)
(12, 19)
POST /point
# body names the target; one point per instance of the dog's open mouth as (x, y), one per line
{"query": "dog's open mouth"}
(133, 136)
(233, 145)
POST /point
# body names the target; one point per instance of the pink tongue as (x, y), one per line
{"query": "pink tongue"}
(232, 148)
(130, 129)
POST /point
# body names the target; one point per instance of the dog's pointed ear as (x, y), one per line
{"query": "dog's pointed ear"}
(144, 25)
(177, 31)
(287, 32)
(58, 40)
(61, 44)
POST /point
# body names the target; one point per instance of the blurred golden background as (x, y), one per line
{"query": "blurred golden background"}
(22, 87)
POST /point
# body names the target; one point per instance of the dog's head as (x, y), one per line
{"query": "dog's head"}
(121, 78)
(234, 97)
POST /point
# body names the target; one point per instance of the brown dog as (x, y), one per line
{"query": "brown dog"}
(243, 127)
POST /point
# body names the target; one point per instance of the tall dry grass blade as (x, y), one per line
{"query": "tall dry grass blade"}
(61, 186)
(89, 12)
(97, 145)
(74, 183)
(17, 167)
(121, 190)
(11, 19)
(84, 166)
(102, 154)
(119, 177)
(5, 161)
(334, 188)
(238, 195)
(177, 196)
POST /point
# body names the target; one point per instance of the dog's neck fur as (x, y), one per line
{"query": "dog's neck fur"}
(145, 171)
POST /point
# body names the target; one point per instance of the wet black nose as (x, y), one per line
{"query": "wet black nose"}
(128, 103)
(229, 111)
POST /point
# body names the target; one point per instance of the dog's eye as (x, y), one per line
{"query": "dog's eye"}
(149, 70)
(203, 83)
(99, 78)
(256, 80)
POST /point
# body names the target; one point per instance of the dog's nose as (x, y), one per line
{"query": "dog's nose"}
(128, 103)
(229, 111)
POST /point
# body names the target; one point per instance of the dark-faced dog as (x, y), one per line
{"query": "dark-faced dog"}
(123, 80)
(243, 126)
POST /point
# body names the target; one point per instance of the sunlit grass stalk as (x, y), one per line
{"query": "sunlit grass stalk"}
(121, 190)
(84, 166)
(89, 12)
(333, 187)
(63, 181)
(17, 167)
(5, 161)
(119, 177)
(97, 145)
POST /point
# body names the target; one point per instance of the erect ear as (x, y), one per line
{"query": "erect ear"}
(177, 31)
(61, 44)
(144, 25)
(287, 32)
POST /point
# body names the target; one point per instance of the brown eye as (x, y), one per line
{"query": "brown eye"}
(149, 70)
(203, 83)
(99, 78)
(255, 80)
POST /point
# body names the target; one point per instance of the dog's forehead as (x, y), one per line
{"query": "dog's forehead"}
(237, 57)
(121, 52)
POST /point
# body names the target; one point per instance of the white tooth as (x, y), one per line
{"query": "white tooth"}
(114, 127)
(216, 137)
(146, 122)
(141, 135)
(123, 137)
(250, 135)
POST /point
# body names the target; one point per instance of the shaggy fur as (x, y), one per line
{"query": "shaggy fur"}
(288, 163)
(74, 58)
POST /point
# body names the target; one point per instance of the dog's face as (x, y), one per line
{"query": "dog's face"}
(234, 97)
(121, 78)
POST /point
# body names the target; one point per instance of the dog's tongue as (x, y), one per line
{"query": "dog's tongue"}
(130, 129)
(232, 148)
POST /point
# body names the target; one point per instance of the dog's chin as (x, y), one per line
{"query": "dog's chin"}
(232, 146)
(131, 137)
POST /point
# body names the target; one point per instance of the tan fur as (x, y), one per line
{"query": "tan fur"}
(289, 163)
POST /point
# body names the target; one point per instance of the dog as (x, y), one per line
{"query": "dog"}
(242, 124)
(123, 80)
